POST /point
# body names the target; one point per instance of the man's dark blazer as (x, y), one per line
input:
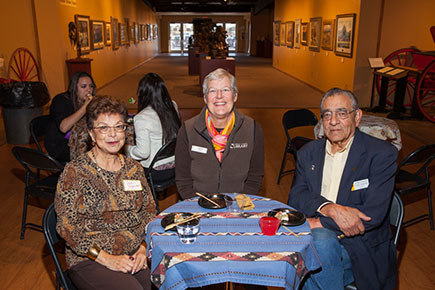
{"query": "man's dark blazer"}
(373, 254)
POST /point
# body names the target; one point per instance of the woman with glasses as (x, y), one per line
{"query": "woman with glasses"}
(67, 109)
(220, 150)
(156, 123)
(103, 204)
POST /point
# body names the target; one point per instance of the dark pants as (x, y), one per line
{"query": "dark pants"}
(92, 275)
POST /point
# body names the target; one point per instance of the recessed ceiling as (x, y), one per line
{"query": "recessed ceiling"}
(208, 6)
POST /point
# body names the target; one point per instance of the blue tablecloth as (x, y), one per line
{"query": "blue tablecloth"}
(229, 247)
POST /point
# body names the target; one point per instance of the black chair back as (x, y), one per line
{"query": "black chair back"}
(397, 212)
(423, 155)
(39, 127)
(292, 119)
(52, 238)
(158, 185)
(31, 158)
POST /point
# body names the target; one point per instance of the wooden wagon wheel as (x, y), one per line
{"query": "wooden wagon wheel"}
(23, 66)
(426, 92)
(400, 57)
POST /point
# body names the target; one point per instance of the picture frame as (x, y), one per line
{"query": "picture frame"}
(304, 33)
(115, 33)
(142, 32)
(344, 34)
(297, 32)
(83, 33)
(123, 34)
(315, 33)
(129, 32)
(328, 32)
(136, 33)
(282, 34)
(107, 33)
(97, 34)
(276, 32)
(149, 33)
(289, 33)
(155, 31)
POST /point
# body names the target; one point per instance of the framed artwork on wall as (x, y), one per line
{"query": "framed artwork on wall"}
(282, 33)
(344, 34)
(289, 33)
(97, 34)
(155, 31)
(83, 31)
(149, 34)
(142, 32)
(315, 33)
(136, 32)
(328, 34)
(123, 36)
(297, 32)
(115, 33)
(276, 27)
(304, 33)
(107, 33)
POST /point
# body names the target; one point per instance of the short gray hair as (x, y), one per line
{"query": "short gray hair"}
(219, 74)
(338, 91)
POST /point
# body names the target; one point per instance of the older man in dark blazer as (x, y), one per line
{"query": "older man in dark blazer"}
(344, 185)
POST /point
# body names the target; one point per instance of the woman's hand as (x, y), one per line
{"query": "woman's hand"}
(139, 259)
(119, 263)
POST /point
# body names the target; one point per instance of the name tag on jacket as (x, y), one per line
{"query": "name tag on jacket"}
(132, 185)
(199, 149)
(360, 184)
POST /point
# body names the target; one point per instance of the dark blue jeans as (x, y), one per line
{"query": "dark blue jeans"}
(336, 271)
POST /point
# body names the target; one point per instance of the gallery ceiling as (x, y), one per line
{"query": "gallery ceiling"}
(208, 6)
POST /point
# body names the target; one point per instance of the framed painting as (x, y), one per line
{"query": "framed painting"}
(107, 33)
(141, 32)
(328, 34)
(315, 33)
(131, 32)
(115, 33)
(297, 31)
(282, 33)
(304, 33)
(136, 32)
(289, 33)
(84, 33)
(149, 33)
(123, 36)
(344, 34)
(97, 34)
(155, 30)
(276, 26)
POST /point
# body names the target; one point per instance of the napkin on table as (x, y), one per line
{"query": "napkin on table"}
(244, 202)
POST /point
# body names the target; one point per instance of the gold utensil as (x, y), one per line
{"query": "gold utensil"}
(291, 231)
(187, 219)
(208, 199)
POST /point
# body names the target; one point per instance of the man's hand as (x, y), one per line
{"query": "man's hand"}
(314, 223)
(349, 219)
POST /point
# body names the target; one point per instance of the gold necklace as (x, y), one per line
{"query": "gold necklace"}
(96, 163)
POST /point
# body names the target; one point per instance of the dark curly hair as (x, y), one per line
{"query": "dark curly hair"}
(104, 105)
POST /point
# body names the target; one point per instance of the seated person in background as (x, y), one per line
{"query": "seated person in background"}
(219, 150)
(67, 109)
(344, 185)
(103, 204)
(155, 125)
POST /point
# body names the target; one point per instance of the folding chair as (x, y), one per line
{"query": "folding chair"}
(38, 128)
(34, 161)
(290, 120)
(158, 184)
(52, 238)
(408, 182)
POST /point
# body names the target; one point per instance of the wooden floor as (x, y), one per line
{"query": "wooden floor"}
(26, 264)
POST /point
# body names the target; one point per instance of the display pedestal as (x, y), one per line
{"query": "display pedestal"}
(78, 64)
(194, 57)
(206, 66)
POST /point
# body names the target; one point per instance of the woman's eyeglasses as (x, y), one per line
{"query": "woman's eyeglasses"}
(214, 92)
(105, 129)
(339, 114)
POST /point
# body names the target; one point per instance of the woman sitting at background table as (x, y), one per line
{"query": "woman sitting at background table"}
(155, 125)
(67, 109)
(103, 204)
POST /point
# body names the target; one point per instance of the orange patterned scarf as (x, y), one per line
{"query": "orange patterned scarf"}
(219, 139)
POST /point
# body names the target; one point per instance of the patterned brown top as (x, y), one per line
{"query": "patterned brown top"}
(92, 207)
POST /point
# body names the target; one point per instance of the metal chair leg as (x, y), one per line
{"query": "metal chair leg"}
(23, 219)
(283, 163)
(429, 201)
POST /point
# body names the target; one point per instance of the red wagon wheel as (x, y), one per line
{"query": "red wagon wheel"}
(426, 92)
(400, 57)
(23, 66)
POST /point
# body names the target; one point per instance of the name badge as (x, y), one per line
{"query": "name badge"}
(132, 185)
(199, 149)
(360, 184)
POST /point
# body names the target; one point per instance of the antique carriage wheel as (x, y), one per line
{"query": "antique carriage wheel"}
(402, 57)
(23, 66)
(426, 92)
